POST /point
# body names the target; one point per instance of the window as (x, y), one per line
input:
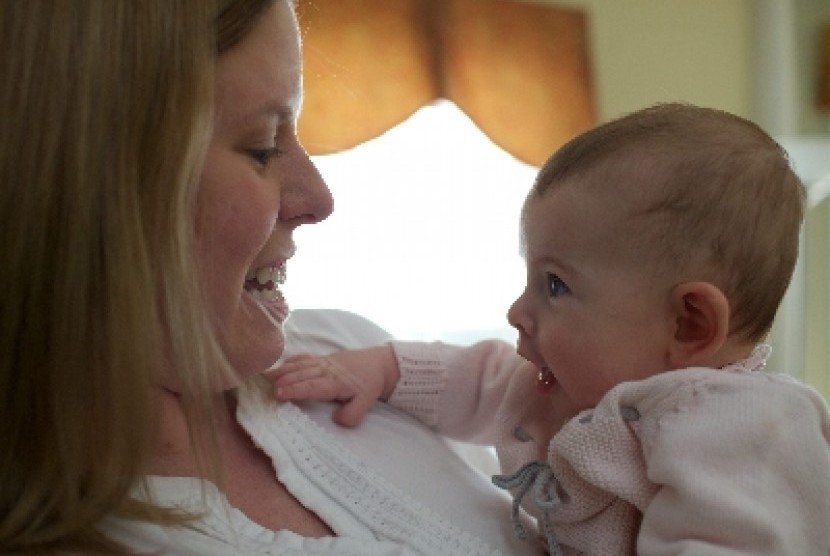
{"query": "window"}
(424, 239)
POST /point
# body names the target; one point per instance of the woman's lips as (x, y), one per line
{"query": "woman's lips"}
(277, 308)
(545, 381)
(263, 284)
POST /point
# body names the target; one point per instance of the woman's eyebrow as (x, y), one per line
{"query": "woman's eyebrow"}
(279, 110)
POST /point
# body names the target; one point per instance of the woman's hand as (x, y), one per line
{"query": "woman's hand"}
(356, 378)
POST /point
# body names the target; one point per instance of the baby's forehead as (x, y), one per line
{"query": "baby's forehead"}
(619, 185)
(616, 172)
(588, 210)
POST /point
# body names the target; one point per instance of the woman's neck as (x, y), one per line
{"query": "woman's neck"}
(174, 450)
(247, 477)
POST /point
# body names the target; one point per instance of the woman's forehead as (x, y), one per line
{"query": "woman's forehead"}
(260, 76)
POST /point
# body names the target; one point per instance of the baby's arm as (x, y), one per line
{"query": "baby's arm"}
(357, 378)
(465, 393)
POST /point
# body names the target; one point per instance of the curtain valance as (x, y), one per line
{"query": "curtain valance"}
(519, 70)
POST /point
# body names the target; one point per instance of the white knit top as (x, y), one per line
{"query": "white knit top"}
(388, 487)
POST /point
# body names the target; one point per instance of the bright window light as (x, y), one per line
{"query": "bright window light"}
(424, 238)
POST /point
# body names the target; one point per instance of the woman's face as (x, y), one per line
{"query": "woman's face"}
(258, 184)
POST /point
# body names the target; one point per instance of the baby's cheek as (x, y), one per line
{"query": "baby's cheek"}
(586, 391)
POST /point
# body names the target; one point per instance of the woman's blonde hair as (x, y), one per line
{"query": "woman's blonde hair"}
(105, 115)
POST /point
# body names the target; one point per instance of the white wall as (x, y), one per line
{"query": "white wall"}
(646, 51)
(810, 16)
(786, 50)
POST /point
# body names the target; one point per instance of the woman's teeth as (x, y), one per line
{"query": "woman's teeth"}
(263, 283)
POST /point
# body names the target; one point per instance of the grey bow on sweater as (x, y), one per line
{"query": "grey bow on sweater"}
(539, 476)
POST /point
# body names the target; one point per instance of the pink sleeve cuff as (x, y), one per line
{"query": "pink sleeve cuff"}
(423, 380)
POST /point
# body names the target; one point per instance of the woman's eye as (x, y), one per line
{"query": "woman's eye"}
(556, 287)
(264, 156)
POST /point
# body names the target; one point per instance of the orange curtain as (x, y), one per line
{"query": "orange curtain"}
(519, 70)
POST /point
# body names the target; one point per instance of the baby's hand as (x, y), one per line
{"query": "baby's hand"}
(355, 378)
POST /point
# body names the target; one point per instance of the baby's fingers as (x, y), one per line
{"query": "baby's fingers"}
(319, 387)
(296, 363)
(352, 412)
(299, 368)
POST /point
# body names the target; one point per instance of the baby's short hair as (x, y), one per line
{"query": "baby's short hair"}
(721, 201)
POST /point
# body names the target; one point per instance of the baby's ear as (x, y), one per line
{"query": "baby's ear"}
(701, 313)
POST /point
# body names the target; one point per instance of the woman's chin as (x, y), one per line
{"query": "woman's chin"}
(257, 342)
(259, 358)
(272, 305)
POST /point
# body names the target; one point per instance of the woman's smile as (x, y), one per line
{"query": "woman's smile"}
(263, 284)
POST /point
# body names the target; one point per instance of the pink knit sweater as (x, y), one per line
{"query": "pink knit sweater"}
(695, 461)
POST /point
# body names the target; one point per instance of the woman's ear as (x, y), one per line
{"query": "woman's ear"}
(701, 313)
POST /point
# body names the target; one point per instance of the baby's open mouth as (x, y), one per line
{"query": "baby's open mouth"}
(264, 283)
(545, 380)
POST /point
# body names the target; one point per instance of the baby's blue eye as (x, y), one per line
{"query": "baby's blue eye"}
(556, 287)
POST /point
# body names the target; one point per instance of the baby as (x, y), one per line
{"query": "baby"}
(635, 417)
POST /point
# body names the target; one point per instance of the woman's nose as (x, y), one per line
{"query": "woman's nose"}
(304, 197)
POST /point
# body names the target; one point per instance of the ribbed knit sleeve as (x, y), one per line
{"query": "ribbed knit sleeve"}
(477, 393)
(423, 380)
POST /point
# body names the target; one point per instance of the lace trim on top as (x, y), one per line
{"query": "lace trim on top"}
(223, 529)
(756, 361)
(298, 444)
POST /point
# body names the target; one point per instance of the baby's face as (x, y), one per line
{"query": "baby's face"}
(591, 316)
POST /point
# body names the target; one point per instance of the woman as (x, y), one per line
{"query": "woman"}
(150, 182)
